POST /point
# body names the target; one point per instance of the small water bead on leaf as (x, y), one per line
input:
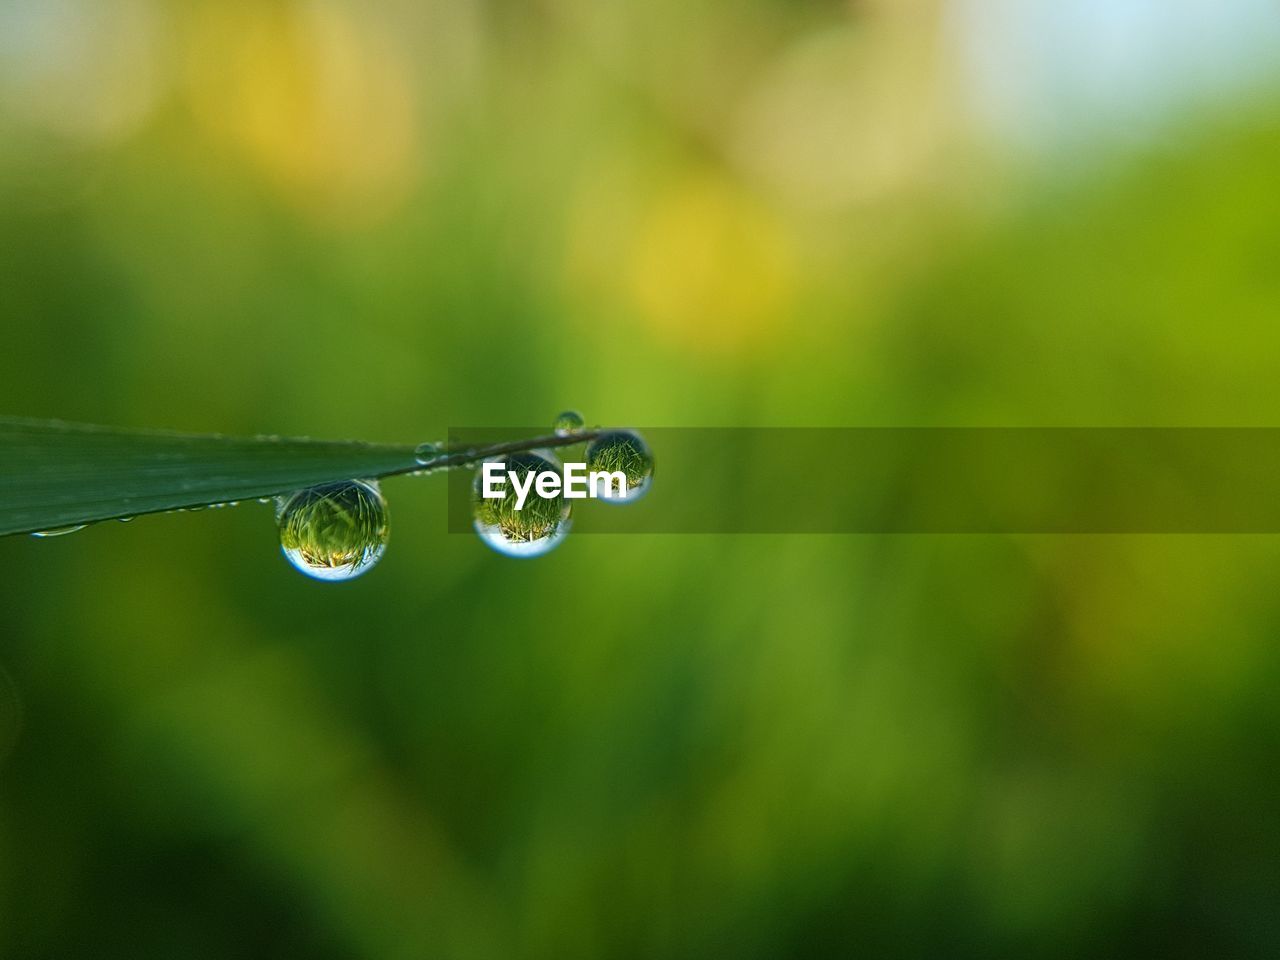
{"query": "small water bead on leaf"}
(60, 531)
(569, 423)
(623, 451)
(335, 531)
(538, 527)
(424, 453)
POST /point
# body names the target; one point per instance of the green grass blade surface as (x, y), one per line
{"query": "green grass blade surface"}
(55, 474)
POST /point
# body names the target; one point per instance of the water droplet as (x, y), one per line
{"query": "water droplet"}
(623, 451)
(60, 531)
(538, 527)
(335, 531)
(124, 519)
(424, 453)
(569, 423)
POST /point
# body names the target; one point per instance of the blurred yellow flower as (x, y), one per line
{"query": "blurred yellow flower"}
(709, 266)
(315, 94)
(698, 261)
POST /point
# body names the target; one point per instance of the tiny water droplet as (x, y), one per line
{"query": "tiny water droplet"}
(124, 519)
(569, 423)
(538, 527)
(60, 531)
(626, 452)
(424, 453)
(335, 531)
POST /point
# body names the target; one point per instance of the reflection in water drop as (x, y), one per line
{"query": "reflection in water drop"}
(568, 423)
(335, 531)
(424, 453)
(60, 531)
(510, 546)
(538, 527)
(626, 452)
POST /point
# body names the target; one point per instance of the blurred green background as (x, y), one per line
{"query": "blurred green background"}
(377, 220)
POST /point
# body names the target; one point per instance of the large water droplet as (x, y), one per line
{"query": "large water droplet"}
(623, 451)
(60, 531)
(424, 453)
(335, 531)
(539, 526)
(569, 423)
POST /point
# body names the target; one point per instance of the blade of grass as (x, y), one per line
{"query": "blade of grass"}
(56, 474)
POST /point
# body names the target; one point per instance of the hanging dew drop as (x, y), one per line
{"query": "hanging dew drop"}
(569, 423)
(424, 453)
(336, 531)
(538, 527)
(623, 451)
(519, 546)
(60, 531)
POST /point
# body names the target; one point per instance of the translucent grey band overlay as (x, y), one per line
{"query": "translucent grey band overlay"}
(936, 480)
